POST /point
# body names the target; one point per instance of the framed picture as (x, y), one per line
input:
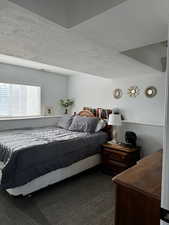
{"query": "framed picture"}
(49, 111)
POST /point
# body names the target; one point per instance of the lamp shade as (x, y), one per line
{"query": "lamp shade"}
(114, 119)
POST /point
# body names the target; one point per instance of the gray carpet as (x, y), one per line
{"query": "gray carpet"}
(85, 199)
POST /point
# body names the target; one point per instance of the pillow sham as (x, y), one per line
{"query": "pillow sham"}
(100, 125)
(84, 124)
(65, 122)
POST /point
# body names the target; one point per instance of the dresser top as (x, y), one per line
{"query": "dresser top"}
(144, 177)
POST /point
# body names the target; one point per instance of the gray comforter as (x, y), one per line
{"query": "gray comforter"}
(29, 153)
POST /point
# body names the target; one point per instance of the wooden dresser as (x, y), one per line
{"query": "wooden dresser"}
(138, 193)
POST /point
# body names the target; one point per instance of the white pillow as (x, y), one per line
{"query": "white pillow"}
(100, 125)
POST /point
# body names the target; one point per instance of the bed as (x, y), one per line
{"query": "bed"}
(31, 159)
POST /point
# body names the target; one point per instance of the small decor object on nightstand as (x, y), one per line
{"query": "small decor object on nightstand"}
(131, 138)
(133, 91)
(66, 103)
(115, 120)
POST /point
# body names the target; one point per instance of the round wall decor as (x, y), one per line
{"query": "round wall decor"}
(133, 91)
(151, 92)
(117, 93)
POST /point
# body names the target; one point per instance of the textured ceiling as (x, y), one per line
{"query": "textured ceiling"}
(132, 24)
(68, 13)
(29, 36)
(119, 24)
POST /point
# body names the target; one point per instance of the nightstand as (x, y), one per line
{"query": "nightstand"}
(118, 157)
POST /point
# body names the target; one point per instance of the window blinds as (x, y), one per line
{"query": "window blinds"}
(19, 100)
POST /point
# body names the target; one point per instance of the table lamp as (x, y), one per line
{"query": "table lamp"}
(115, 121)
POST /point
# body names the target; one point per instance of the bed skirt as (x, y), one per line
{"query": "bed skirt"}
(56, 176)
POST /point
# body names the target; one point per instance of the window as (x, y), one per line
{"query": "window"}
(19, 100)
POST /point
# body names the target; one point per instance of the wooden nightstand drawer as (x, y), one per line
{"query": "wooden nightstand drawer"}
(115, 155)
(113, 167)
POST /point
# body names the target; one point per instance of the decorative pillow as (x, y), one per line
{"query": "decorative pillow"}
(100, 125)
(65, 121)
(84, 124)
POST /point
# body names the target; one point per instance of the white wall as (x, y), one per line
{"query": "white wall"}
(90, 91)
(97, 92)
(141, 109)
(53, 88)
(150, 137)
(145, 115)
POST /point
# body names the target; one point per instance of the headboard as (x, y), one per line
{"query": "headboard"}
(107, 129)
(99, 112)
(86, 113)
(103, 113)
